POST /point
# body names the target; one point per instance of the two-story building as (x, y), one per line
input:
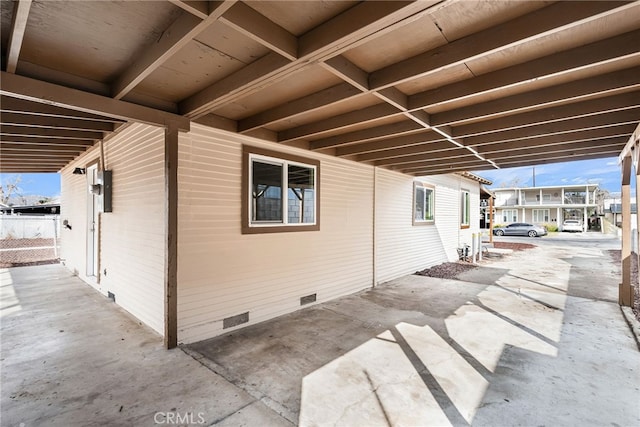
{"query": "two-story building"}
(546, 205)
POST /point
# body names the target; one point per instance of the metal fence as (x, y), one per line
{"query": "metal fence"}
(28, 240)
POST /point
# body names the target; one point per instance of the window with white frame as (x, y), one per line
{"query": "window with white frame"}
(423, 203)
(280, 192)
(509, 215)
(541, 215)
(465, 209)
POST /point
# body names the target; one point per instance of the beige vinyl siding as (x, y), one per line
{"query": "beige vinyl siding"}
(132, 237)
(73, 202)
(403, 248)
(474, 224)
(222, 272)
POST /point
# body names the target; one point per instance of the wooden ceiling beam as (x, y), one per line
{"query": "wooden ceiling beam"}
(182, 31)
(558, 157)
(16, 105)
(55, 122)
(466, 161)
(588, 108)
(594, 145)
(348, 71)
(260, 29)
(39, 91)
(39, 156)
(583, 135)
(611, 83)
(9, 130)
(581, 58)
(16, 33)
(355, 26)
(369, 134)
(30, 140)
(429, 156)
(538, 24)
(49, 148)
(199, 8)
(368, 114)
(448, 168)
(302, 105)
(613, 118)
(410, 150)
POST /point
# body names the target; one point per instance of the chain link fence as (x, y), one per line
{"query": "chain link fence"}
(29, 240)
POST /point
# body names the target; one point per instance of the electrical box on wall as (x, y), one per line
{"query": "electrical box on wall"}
(105, 179)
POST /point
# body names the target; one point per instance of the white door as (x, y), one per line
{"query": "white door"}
(92, 223)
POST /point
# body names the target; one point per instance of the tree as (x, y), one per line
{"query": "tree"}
(8, 188)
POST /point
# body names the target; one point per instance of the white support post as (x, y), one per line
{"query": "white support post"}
(479, 247)
(474, 237)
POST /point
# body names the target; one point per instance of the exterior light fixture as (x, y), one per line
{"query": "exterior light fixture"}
(79, 171)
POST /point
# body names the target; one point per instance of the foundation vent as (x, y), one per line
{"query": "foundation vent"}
(308, 299)
(236, 320)
(111, 296)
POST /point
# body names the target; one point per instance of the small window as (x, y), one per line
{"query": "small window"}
(465, 209)
(541, 215)
(509, 215)
(423, 204)
(280, 192)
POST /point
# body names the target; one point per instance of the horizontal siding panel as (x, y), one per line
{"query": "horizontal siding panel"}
(224, 273)
(133, 235)
(401, 247)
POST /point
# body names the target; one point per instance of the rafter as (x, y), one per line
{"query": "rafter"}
(257, 27)
(581, 58)
(356, 25)
(38, 91)
(7, 130)
(178, 35)
(397, 142)
(55, 122)
(543, 22)
(588, 108)
(30, 140)
(609, 119)
(611, 83)
(16, 34)
(369, 134)
(302, 105)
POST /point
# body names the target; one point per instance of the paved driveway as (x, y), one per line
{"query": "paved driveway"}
(535, 338)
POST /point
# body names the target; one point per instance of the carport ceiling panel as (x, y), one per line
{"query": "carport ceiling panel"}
(299, 17)
(606, 25)
(305, 81)
(6, 14)
(460, 19)
(416, 37)
(99, 39)
(193, 68)
(230, 42)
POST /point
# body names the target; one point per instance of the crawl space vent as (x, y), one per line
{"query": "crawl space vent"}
(236, 320)
(308, 299)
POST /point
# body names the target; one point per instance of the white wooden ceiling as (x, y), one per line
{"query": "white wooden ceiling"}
(422, 87)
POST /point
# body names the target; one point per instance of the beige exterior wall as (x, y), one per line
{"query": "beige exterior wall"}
(132, 237)
(403, 248)
(222, 273)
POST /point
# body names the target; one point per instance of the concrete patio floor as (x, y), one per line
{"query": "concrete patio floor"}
(534, 338)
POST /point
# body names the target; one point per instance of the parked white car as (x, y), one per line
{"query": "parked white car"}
(572, 225)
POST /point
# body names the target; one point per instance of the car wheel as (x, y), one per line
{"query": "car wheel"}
(499, 233)
(532, 233)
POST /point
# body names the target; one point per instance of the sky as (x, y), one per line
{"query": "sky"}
(604, 172)
(34, 184)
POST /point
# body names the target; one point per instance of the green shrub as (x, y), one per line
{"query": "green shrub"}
(551, 228)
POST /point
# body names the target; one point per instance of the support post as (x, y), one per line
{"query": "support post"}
(491, 219)
(479, 247)
(625, 294)
(171, 230)
(474, 238)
